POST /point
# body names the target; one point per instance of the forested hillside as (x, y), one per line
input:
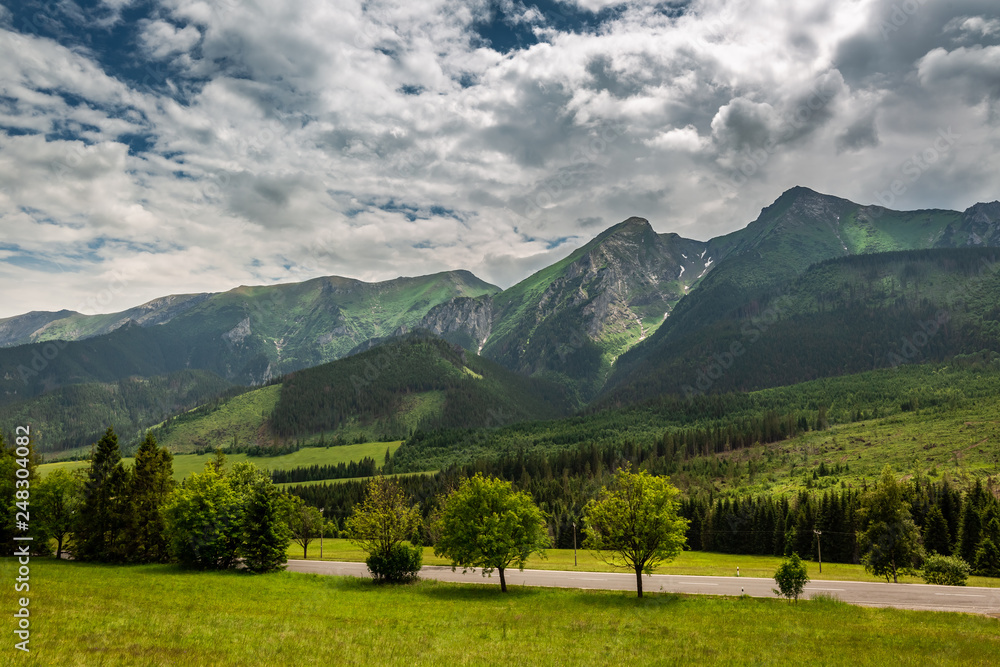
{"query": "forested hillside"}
(76, 416)
(841, 316)
(381, 384)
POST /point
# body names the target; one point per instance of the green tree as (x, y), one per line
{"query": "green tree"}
(265, 535)
(380, 524)
(634, 524)
(987, 559)
(969, 531)
(58, 497)
(936, 537)
(105, 516)
(485, 523)
(205, 521)
(305, 522)
(791, 577)
(151, 484)
(888, 540)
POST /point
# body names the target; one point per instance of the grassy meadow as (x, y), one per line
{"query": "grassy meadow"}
(185, 464)
(160, 615)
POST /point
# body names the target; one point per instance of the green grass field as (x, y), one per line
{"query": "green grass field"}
(688, 562)
(160, 615)
(185, 464)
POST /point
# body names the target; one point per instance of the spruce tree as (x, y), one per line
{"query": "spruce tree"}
(152, 482)
(266, 535)
(987, 563)
(936, 537)
(970, 531)
(104, 518)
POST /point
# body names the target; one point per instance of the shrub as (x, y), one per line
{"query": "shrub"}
(945, 570)
(400, 564)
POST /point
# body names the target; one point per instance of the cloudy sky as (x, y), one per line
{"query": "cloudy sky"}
(165, 146)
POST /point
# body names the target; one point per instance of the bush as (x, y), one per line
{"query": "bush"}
(945, 570)
(401, 564)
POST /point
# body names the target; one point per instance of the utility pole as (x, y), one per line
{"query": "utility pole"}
(819, 548)
(322, 525)
(574, 544)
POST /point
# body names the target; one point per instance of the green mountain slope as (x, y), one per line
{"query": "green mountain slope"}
(841, 316)
(799, 229)
(449, 386)
(713, 425)
(247, 335)
(569, 321)
(411, 382)
(77, 415)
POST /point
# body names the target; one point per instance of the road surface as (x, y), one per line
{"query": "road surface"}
(903, 596)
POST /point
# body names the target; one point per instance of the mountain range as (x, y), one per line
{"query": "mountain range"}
(814, 286)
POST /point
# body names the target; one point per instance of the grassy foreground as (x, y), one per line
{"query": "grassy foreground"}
(688, 562)
(152, 615)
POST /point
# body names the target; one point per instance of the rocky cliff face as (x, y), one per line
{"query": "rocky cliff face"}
(466, 321)
(979, 226)
(607, 296)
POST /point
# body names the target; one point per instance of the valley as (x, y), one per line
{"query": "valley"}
(772, 374)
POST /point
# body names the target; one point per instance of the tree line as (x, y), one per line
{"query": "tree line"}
(366, 467)
(949, 522)
(111, 513)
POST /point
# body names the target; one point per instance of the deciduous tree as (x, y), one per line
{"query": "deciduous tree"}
(888, 540)
(791, 577)
(485, 523)
(379, 526)
(205, 521)
(305, 522)
(58, 498)
(634, 524)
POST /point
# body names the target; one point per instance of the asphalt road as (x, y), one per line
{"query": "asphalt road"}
(903, 596)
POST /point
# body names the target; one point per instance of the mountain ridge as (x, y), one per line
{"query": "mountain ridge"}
(592, 323)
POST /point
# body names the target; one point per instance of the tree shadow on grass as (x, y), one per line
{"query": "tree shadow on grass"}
(628, 600)
(454, 592)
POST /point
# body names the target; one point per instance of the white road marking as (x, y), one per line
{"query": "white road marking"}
(825, 589)
(962, 595)
(695, 583)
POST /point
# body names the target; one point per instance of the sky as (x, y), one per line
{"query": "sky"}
(153, 147)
